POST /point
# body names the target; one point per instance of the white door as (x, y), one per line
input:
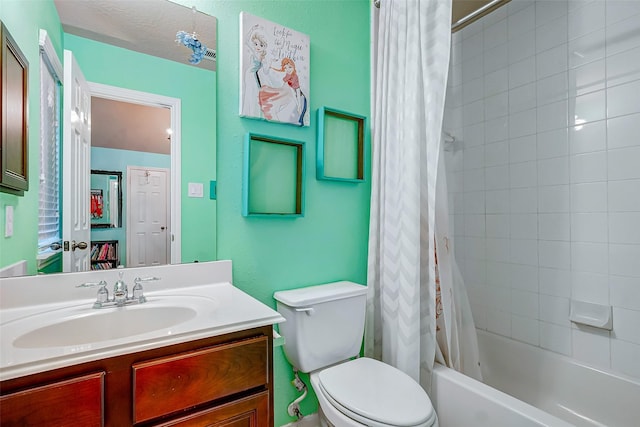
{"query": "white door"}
(147, 216)
(76, 159)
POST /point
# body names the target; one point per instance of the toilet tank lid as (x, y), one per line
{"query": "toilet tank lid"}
(319, 293)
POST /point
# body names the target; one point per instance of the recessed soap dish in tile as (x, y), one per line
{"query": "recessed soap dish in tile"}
(595, 315)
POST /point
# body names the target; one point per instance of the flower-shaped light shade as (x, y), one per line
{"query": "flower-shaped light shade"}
(191, 41)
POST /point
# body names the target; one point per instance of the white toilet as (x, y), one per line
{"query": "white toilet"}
(323, 332)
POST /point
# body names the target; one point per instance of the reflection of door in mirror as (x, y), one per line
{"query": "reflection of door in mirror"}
(127, 132)
(147, 216)
(75, 166)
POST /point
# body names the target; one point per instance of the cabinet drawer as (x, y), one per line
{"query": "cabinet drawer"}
(166, 385)
(252, 411)
(74, 402)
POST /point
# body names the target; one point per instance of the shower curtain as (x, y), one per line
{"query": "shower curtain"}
(455, 329)
(412, 316)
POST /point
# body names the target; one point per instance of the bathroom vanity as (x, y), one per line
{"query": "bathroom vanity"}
(212, 366)
(225, 379)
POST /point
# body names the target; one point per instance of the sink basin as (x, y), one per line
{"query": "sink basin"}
(104, 325)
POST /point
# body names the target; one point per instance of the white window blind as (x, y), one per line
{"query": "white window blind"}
(49, 206)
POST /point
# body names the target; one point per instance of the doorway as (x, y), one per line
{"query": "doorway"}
(172, 178)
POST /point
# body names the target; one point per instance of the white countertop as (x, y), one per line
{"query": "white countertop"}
(220, 308)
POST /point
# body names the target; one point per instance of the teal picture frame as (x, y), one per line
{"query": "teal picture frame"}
(340, 146)
(273, 177)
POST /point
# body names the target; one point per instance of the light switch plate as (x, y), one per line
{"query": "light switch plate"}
(8, 222)
(196, 189)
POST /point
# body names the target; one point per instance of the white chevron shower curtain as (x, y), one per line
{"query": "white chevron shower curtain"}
(410, 79)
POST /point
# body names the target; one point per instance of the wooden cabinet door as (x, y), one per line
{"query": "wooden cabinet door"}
(14, 82)
(74, 402)
(76, 167)
(252, 411)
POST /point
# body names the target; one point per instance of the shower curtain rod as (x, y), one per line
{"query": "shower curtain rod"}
(461, 21)
(473, 14)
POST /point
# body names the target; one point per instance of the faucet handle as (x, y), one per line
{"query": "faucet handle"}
(91, 284)
(103, 294)
(145, 279)
(138, 291)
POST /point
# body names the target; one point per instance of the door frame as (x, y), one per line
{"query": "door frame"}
(174, 104)
(129, 212)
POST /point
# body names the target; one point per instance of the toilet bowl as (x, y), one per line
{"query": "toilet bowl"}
(366, 392)
(323, 333)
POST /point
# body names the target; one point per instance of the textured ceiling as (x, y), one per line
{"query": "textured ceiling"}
(126, 126)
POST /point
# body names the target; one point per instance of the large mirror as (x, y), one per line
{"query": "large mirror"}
(137, 123)
(135, 68)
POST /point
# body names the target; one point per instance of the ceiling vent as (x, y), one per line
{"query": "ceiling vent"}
(210, 54)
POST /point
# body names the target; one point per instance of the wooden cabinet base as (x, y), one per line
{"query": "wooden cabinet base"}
(225, 380)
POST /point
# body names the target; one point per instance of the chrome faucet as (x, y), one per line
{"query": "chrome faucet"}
(120, 292)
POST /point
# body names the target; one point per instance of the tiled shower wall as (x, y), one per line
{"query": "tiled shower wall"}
(544, 174)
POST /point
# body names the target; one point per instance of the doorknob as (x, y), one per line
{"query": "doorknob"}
(162, 228)
(80, 245)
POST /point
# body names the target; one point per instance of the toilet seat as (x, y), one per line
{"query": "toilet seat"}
(376, 394)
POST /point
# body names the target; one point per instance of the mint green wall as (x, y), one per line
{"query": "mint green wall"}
(196, 87)
(330, 242)
(111, 159)
(24, 19)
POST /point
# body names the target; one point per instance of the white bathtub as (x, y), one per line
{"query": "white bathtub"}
(544, 389)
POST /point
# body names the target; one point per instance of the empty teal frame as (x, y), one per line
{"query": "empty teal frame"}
(273, 177)
(340, 145)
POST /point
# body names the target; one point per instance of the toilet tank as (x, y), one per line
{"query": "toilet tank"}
(324, 323)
